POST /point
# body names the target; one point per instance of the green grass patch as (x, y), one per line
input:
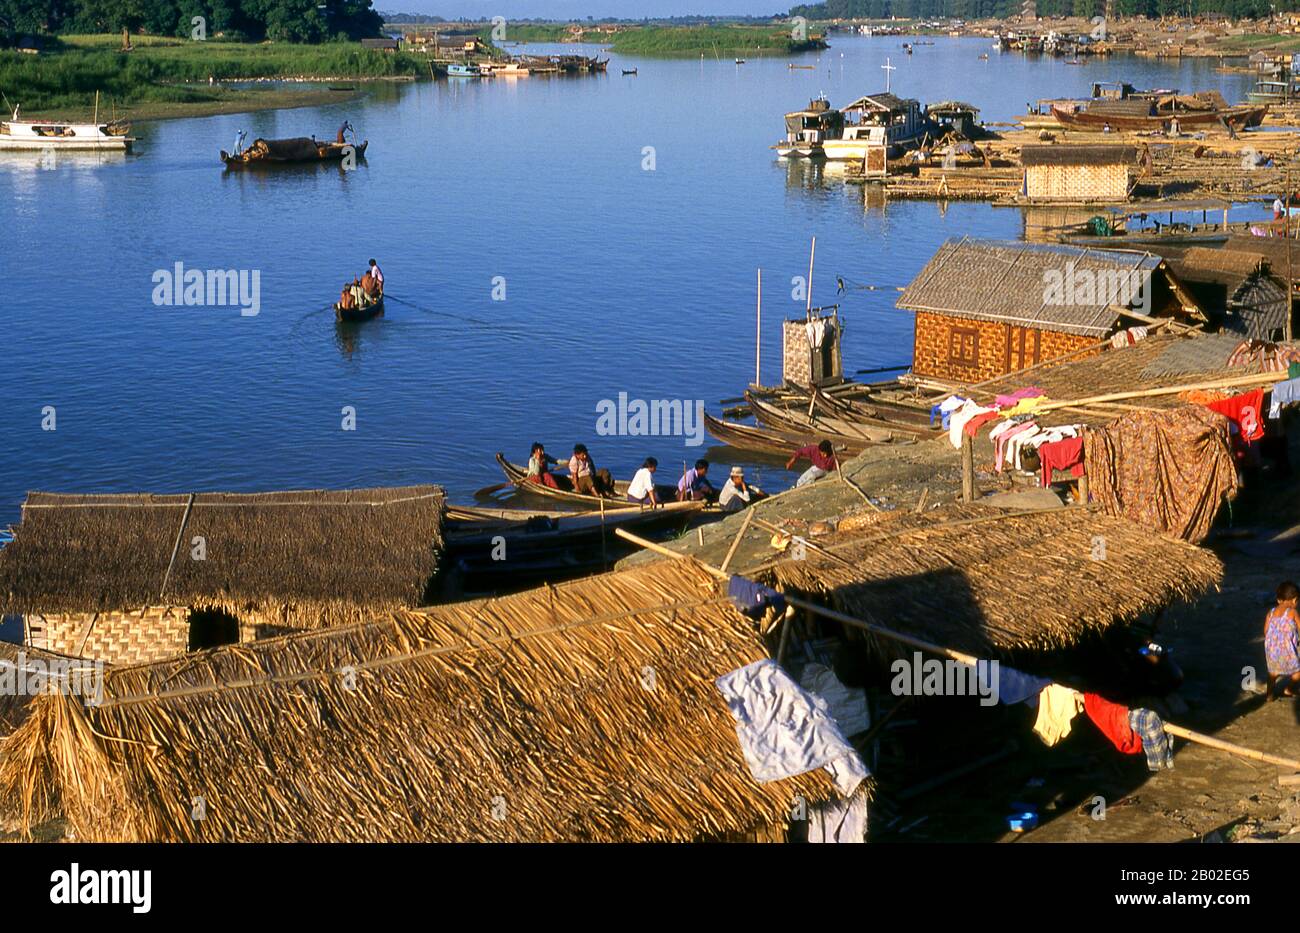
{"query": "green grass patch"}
(729, 40)
(176, 71)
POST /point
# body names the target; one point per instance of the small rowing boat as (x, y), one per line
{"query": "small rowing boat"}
(518, 475)
(356, 315)
(472, 528)
(766, 440)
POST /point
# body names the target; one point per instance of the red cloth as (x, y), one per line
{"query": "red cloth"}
(972, 427)
(1245, 410)
(1061, 455)
(1112, 720)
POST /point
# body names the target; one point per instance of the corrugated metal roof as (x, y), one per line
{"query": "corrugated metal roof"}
(1008, 282)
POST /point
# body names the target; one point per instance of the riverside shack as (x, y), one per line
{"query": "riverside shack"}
(140, 577)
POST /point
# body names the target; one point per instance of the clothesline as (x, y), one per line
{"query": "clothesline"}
(971, 660)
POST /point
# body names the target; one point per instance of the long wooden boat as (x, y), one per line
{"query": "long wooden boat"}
(523, 529)
(272, 152)
(1236, 117)
(518, 475)
(873, 413)
(357, 315)
(834, 429)
(766, 440)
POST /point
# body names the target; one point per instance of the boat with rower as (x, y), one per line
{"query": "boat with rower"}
(471, 528)
(302, 149)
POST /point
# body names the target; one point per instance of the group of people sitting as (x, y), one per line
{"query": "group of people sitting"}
(365, 291)
(694, 485)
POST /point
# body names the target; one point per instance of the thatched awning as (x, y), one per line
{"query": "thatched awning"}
(1060, 155)
(582, 712)
(307, 557)
(991, 583)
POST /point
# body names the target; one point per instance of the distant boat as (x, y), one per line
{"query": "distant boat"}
(740, 61)
(629, 71)
(463, 71)
(35, 135)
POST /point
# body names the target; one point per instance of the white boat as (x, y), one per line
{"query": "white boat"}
(806, 131)
(877, 120)
(36, 135)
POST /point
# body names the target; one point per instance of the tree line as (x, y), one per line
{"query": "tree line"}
(1002, 9)
(252, 20)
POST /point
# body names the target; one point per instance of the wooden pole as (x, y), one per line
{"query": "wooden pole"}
(1234, 382)
(758, 335)
(875, 628)
(96, 120)
(735, 544)
(967, 468)
(812, 255)
(176, 547)
(1290, 279)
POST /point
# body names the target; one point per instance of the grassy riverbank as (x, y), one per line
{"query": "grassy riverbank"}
(723, 39)
(169, 77)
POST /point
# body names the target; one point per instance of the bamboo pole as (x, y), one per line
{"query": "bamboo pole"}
(967, 468)
(875, 628)
(812, 255)
(731, 552)
(1233, 382)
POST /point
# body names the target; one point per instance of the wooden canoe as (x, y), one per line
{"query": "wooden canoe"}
(302, 151)
(877, 414)
(518, 475)
(836, 430)
(766, 440)
(528, 530)
(357, 315)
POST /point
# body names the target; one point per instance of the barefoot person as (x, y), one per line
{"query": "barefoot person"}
(823, 462)
(1282, 643)
(377, 276)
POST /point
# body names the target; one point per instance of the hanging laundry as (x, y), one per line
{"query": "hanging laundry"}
(1026, 406)
(945, 409)
(1283, 393)
(1150, 729)
(1004, 438)
(1010, 401)
(752, 598)
(1057, 707)
(1244, 411)
(1112, 720)
(959, 418)
(840, 820)
(973, 425)
(1065, 454)
(1293, 371)
(1013, 686)
(1126, 338)
(1202, 396)
(784, 730)
(816, 333)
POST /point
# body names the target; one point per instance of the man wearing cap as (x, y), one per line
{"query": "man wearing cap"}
(735, 492)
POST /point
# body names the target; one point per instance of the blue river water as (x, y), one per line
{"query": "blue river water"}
(622, 219)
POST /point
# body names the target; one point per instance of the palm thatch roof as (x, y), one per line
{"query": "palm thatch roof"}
(1056, 155)
(302, 558)
(991, 583)
(582, 712)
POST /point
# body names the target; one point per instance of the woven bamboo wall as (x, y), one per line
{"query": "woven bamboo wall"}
(1077, 182)
(798, 367)
(965, 350)
(152, 634)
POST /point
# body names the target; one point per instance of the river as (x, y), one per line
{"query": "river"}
(621, 219)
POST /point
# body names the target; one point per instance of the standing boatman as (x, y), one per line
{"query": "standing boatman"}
(377, 275)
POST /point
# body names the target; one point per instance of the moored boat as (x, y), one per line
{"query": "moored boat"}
(461, 70)
(472, 528)
(1144, 115)
(806, 131)
(36, 135)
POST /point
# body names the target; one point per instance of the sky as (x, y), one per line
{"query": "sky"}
(581, 9)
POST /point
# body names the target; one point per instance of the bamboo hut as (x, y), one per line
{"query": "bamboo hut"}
(1079, 173)
(581, 712)
(131, 578)
(979, 582)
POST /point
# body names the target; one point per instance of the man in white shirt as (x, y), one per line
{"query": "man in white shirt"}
(735, 492)
(642, 488)
(377, 274)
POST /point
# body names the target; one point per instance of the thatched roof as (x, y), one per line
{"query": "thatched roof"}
(1077, 155)
(1221, 266)
(582, 712)
(1006, 282)
(1273, 248)
(991, 583)
(304, 558)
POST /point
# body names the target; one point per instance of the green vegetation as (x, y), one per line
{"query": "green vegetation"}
(655, 39)
(163, 73)
(533, 32)
(278, 20)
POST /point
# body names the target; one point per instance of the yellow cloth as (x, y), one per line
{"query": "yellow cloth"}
(1057, 707)
(1026, 406)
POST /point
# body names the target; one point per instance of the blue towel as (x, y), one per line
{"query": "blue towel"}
(1014, 686)
(752, 598)
(1284, 393)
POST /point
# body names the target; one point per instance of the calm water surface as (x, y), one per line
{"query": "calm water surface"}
(616, 279)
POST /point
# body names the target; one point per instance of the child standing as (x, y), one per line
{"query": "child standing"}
(1282, 643)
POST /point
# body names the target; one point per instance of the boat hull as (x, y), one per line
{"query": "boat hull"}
(43, 144)
(518, 475)
(329, 152)
(1236, 117)
(358, 315)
